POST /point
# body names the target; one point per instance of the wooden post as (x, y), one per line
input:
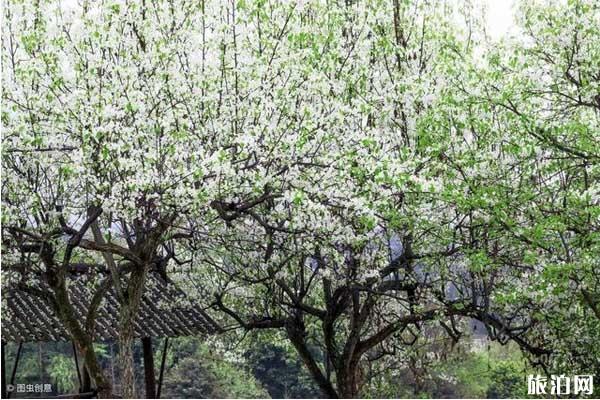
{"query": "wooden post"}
(3, 371)
(149, 368)
(15, 367)
(162, 368)
(41, 365)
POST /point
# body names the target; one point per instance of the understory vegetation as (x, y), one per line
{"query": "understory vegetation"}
(265, 370)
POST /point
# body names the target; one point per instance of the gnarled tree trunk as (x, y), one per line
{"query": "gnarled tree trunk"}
(83, 341)
(348, 381)
(127, 315)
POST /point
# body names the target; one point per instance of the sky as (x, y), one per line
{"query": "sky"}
(499, 17)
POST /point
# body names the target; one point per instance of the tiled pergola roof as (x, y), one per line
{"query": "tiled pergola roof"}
(165, 311)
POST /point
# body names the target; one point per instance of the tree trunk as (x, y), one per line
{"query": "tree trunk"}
(83, 341)
(87, 383)
(127, 315)
(349, 376)
(96, 373)
(348, 382)
(295, 332)
(127, 364)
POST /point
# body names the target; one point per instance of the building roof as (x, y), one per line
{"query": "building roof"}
(165, 311)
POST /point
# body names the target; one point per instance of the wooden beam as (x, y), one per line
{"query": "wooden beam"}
(149, 368)
(162, 368)
(41, 363)
(14, 371)
(3, 371)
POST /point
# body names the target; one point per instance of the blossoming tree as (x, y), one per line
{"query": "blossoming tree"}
(348, 174)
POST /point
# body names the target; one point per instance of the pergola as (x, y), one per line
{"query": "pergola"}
(165, 312)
